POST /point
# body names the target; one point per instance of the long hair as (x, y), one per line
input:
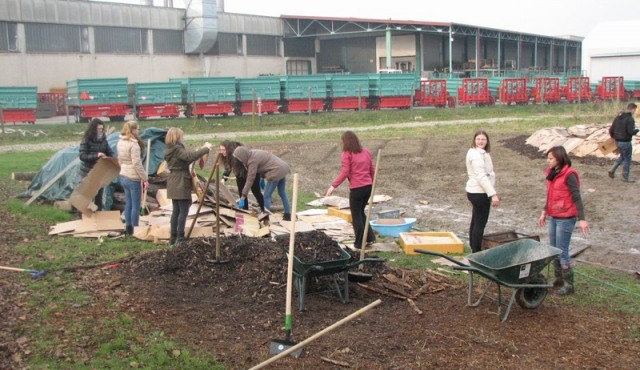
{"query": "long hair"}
(129, 130)
(174, 135)
(230, 162)
(91, 133)
(478, 133)
(560, 154)
(350, 142)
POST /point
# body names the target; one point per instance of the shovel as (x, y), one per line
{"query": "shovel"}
(279, 345)
(35, 274)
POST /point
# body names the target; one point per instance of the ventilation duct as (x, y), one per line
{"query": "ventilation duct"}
(201, 26)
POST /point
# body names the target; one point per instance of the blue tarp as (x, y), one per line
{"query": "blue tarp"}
(63, 187)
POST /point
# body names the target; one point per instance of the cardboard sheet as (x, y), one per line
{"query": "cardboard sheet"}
(104, 171)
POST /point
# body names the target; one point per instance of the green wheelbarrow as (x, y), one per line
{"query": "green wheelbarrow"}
(517, 265)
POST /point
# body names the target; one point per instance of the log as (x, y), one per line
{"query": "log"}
(23, 176)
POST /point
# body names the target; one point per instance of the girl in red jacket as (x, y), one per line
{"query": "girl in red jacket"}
(563, 208)
(357, 166)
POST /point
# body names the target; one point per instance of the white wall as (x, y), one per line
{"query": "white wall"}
(48, 71)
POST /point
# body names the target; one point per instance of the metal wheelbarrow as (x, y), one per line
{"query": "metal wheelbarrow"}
(303, 271)
(516, 265)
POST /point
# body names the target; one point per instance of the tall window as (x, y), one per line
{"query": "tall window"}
(121, 40)
(168, 42)
(263, 45)
(8, 40)
(52, 38)
(227, 44)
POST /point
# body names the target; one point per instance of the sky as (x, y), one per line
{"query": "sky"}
(543, 17)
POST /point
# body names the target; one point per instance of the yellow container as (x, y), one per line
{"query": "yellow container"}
(344, 213)
(443, 242)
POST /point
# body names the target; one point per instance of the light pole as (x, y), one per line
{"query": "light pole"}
(450, 51)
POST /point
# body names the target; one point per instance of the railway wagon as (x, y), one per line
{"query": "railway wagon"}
(98, 97)
(156, 99)
(18, 104)
(348, 91)
(258, 95)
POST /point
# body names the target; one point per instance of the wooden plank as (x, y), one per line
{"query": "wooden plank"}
(52, 181)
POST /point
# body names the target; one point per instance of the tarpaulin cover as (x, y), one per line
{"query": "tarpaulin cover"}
(63, 187)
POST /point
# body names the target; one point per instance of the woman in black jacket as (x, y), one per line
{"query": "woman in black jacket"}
(94, 145)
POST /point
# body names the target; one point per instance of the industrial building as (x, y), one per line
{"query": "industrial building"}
(45, 43)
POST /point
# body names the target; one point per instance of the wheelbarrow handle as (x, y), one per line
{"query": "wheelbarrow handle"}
(443, 256)
(350, 266)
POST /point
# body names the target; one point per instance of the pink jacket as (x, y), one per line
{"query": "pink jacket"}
(357, 167)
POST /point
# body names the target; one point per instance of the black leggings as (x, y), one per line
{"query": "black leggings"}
(179, 216)
(255, 190)
(358, 199)
(479, 216)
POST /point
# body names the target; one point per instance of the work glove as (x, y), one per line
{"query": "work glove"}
(241, 202)
(262, 184)
(208, 145)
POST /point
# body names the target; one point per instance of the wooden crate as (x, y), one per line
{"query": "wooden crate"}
(496, 239)
(344, 213)
(443, 242)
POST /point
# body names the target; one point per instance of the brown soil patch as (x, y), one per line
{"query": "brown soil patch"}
(233, 310)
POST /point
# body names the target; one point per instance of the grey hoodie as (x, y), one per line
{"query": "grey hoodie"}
(262, 163)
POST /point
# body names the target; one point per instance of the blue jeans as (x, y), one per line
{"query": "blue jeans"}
(560, 231)
(269, 187)
(132, 193)
(625, 149)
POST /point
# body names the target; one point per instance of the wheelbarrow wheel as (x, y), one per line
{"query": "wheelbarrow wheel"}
(530, 298)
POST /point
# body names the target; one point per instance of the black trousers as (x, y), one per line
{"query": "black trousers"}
(255, 190)
(179, 215)
(358, 199)
(479, 216)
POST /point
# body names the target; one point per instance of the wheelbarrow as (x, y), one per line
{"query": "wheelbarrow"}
(302, 271)
(517, 265)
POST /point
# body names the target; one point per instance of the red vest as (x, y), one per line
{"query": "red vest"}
(559, 201)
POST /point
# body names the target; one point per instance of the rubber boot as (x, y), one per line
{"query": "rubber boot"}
(172, 239)
(557, 271)
(567, 287)
(128, 231)
(180, 239)
(286, 217)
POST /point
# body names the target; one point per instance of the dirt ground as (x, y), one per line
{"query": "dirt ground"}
(234, 310)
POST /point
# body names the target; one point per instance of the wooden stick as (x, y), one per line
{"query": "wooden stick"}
(52, 181)
(217, 167)
(335, 362)
(292, 237)
(317, 335)
(366, 223)
(143, 205)
(204, 192)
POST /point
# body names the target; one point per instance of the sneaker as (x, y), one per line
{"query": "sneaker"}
(611, 174)
(628, 179)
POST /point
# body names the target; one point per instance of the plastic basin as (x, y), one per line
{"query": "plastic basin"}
(392, 230)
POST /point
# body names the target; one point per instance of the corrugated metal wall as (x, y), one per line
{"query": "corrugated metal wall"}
(250, 24)
(91, 14)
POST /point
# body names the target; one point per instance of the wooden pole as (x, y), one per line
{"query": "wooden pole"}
(317, 335)
(52, 181)
(143, 205)
(366, 223)
(204, 193)
(218, 253)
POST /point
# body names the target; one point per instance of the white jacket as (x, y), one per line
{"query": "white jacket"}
(480, 171)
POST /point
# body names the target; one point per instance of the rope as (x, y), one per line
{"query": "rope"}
(607, 283)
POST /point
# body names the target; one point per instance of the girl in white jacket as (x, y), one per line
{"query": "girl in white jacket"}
(480, 190)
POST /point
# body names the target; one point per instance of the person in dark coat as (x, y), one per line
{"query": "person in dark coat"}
(179, 182)
(273, 169)
(94, 145)
(232, 165)
(622, 130)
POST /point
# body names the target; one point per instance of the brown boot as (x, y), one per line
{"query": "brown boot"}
(557, 271)
(567, 287)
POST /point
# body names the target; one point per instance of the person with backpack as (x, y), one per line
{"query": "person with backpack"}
(622, 130)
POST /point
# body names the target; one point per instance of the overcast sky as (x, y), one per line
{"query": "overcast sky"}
(545, 17)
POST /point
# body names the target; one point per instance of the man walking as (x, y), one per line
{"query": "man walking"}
(622, 130)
